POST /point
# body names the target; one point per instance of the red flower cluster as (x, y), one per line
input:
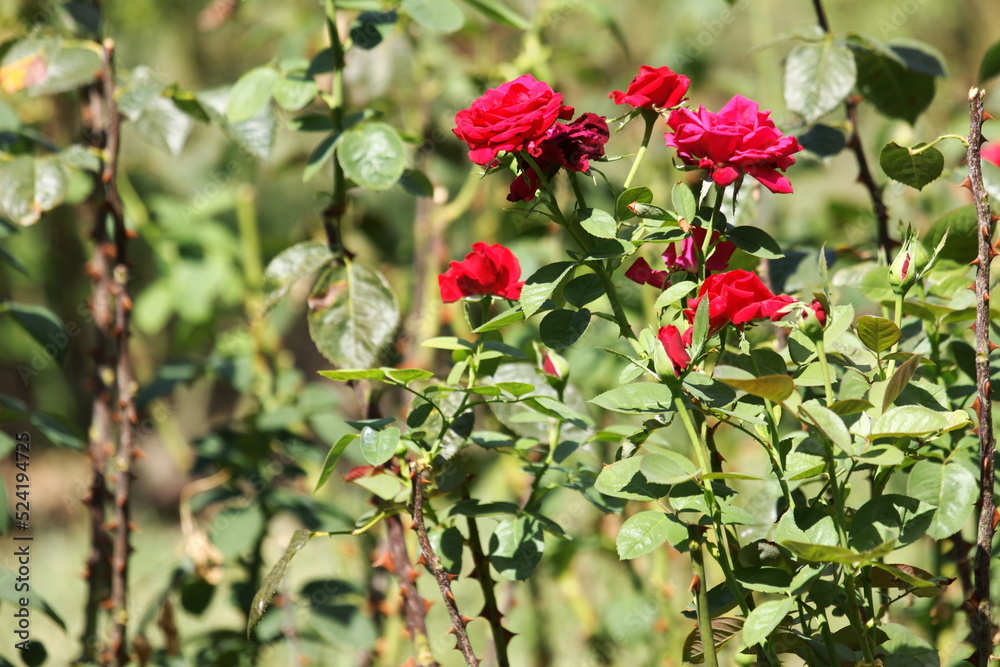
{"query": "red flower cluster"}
(569, 145)
(737, 297)
(687, 260)
(487, 270)
(654, 88)
(738, 140)
(510, 118)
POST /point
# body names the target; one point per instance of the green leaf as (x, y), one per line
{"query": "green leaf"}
(764, 619)
(370, 28)
(674, 294)
(330, 463)
(820, 553)
(899, 380)
(755, 241)
(907, 649)
(379, 446)
(642, 195)
(877, 333)
(541, 284)
(251, 93)
(850, 406)
(291, 265)
(352, 315)
(895, 90)
(644, 532)
(908, 420)
(667, 467)
(295, 91)
(919, 57)
(349, 374)
(823, 140)
(818, 77)
(506, 318)
(269, 585)
(829, 423)
(498, 12)
(889, 517)
(448, 343)
(254, 135)
(561, 328)
(775, 388)
(598, 223)
(448, 544)
(405, 376)
(962, 229)
(164, 125)
(437, 15)
(30, 186)
(623, 479)
(44, 66)
(518, 389)
(43, 325)
(583, 290)
(909, 167)
(637, 398)
(764, 579)
(949, 487)
(516, 547)
(35, 600)
(372, 155)
(724, 628)
(684, 202)
(990, 65)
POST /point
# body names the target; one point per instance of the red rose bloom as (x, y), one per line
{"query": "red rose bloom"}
(687, 260)
(660, 88)
(570, 145)
(510, 118)
(676, 344)
(488, 269)
(738, 140)
(737, 297)
(991, 154)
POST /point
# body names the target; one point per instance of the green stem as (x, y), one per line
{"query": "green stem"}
(650, 118)
(918, 151)
(897, 319)
(334, 213)
(577, 189)
(704, 612)
(772, 445)
(825, 367)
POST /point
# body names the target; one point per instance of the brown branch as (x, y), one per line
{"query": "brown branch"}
(126, 416)
(854, 142)
(414, 607)
(981, 620)
(98, 566)
(458, 622)
(491, 610)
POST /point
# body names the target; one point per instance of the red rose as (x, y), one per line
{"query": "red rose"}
(569, 145)
(738, 140)
(991, 154)
(817, 309)
(642, 273)
(659, 88)
(509, 118)
(488, 269)
(737, 297)
(675, 344)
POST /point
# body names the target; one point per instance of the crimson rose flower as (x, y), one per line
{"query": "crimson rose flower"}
(676, 344)
(737, 297)
(488, 269)
(653, 87)
(642, 273)
(511, 118)
(569, 145)
(991, 154)
(738, 140)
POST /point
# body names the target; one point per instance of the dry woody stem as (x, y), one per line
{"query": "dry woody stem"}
(414, 609)
(458, 622)
(981, 619)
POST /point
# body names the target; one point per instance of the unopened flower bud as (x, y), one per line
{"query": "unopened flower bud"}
(907, 266)
(555, 365)
(813, 320)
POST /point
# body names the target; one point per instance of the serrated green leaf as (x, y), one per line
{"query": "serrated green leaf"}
(598, 223)
(667, 467)
(379, 446)
(637, 398)
(251, 93)
(895, 90)
(642, 195)
(349, 374)
(755, 241)
(372, 155)
(516, 547)
(684, 202)
(644, 532)
(623, 479)
(541, 284)
(291, 265)
(949, 487)
(42, 325)
(333, 457)
(989, 67)
(764, 619)
(775, 388)
(877, 333)
(818, 77)
(561, 328)
(916, 169)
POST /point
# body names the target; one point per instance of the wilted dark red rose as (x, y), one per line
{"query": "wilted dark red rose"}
(570, 145)
(511, 118)
(686, 260)
(488, 269)
(676, 346)
(654, 87)
(738, 140)
(737, 297)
